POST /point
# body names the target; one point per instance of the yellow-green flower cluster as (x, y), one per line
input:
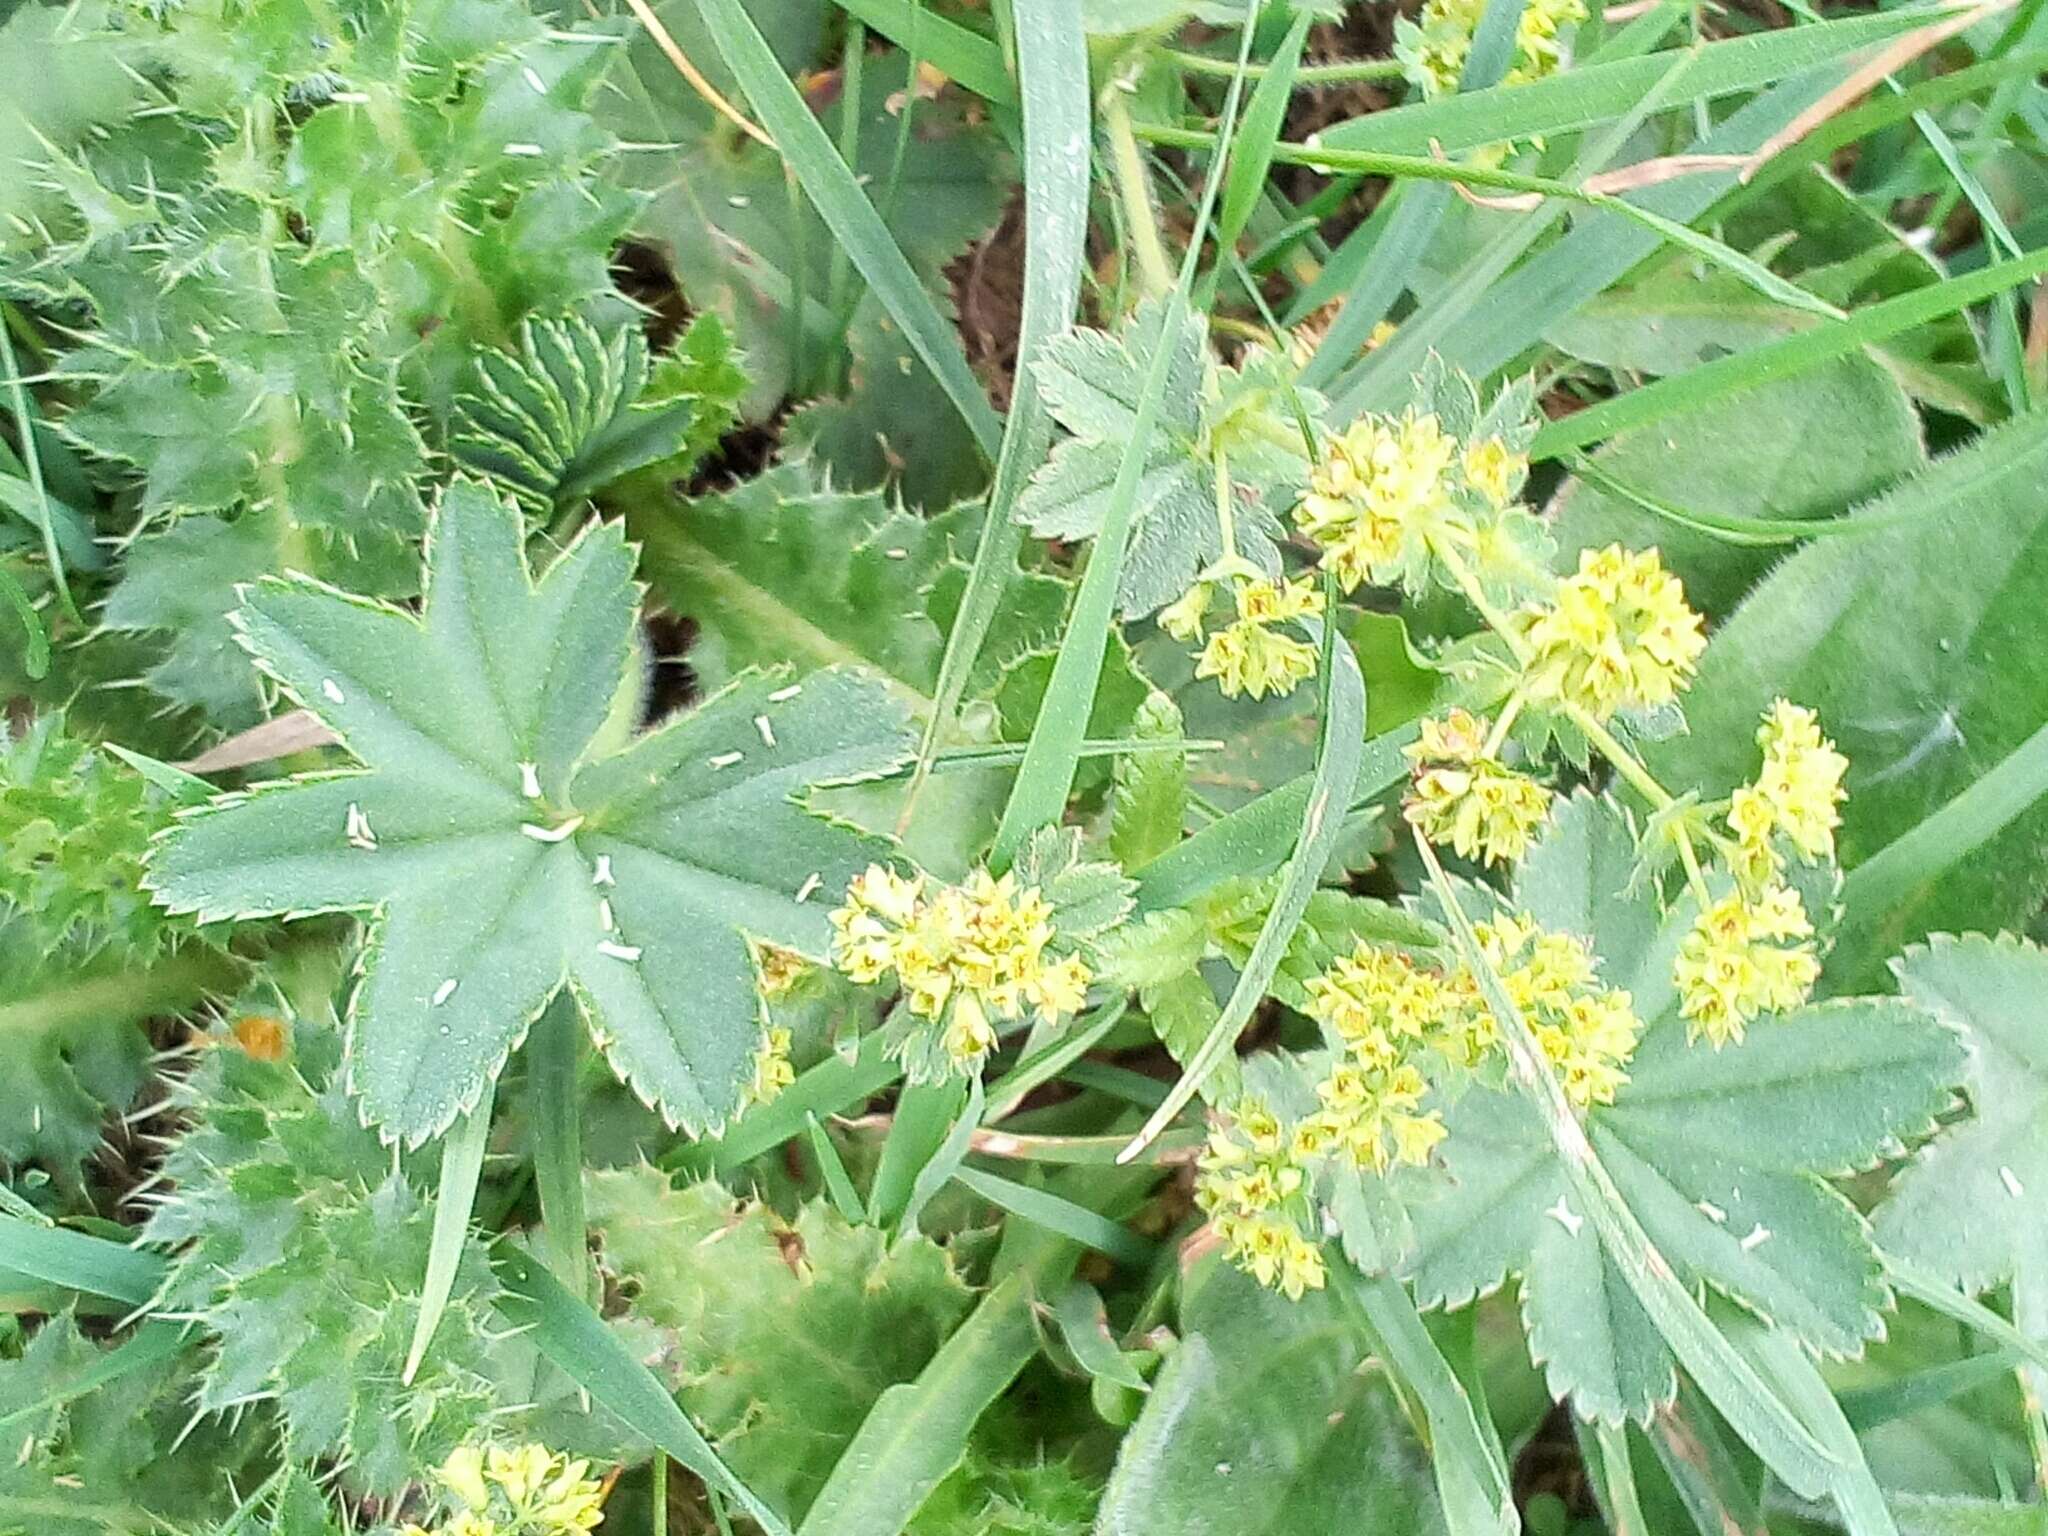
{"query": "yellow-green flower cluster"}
(1436, 49)
(1253, 1190)
(1743, 957)
(1250, 657)
(1587, 1031)
(1616, 635)
(1464, 795)
(1378, 495)
(773, 1070)
(524, 1490)
(965, 955)
(1797, 794)
(1384, 1011)
(1751, 951)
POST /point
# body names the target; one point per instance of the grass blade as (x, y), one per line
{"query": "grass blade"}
(826, 179)
(917, 1432)
(1782, 359)
(1263, 116)
(836, 1084)
(1456, 1426)
(966, 58)
(77, 1262)
(576, 1340)
(554, 1057)
(838, 1184)
(1038, 797)
(1339, 750)
(1582, 97)
(1052, 59)
(946, 1161)
(462, 1167)
(1882, 883)
(1090, 1229)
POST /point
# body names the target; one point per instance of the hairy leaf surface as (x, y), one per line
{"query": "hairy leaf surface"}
(498, 862)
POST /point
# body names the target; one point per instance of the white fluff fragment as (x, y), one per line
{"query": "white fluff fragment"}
(784, 695)
(1758, 1236)
(333, 691)
(626, 952)
(767, 731)
(444, 991)
(357, 831)
(558, 834)
(529, 781)
(603, 874)
(810, 885)
(726, 759)
(1566, 1217)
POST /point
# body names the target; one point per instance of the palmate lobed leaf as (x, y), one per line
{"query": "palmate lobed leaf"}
(500, 857)
(1722, 1154)
(1962, 1209)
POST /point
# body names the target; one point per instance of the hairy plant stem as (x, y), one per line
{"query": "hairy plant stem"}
(1134, 187)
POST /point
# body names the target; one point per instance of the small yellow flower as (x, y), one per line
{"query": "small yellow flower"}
(1249, 657)
(1252, 1188)
(965, 955)
(524, 1490)
(1182, 618)
(1588, 1032)
(1442, 41)
(1474, 802)
(773, 1071)
(1743, 958)
(1377, 496)
(1801, 778)
(462, 1474)
(1495, 470)
(1618, 635)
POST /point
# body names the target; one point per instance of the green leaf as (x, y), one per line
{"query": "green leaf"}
(1747, 456)
(316, 1313)
(782, 1347)
(1961, 685)
(836, 193)
(1718, 1153)
(1266, 1418)
(1579, 98)
(572, 409)
(1951, 1212)
(1148, 808)
(1092, 383)
(500, 863)
(100, 1445)
(918, 1431)
(785, 568)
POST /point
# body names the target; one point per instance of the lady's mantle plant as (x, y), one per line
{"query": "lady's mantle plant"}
(509, 836)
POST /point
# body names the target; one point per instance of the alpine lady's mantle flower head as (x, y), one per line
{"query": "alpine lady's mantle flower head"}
(1744, 957)
(966, 956)
(1377, 496)
(1251, 657)
(1468, 798)
(524, 1490)
(1616, 635)
(1252, 1189)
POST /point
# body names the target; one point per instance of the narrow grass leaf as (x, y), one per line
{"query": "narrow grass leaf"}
(1056, 1214)
(1580, 98)
(554, 1056)
(77, 1262)
(577, 1341)
(462, 1166)
(917, 1432)
(962, 56)
(1782, 359)
(1052, 61)
(845, 208)
(1339, 749)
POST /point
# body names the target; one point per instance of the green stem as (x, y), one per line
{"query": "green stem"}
(1226, 506)
(1134, 187)
(1624, 761)
(1305, 76)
